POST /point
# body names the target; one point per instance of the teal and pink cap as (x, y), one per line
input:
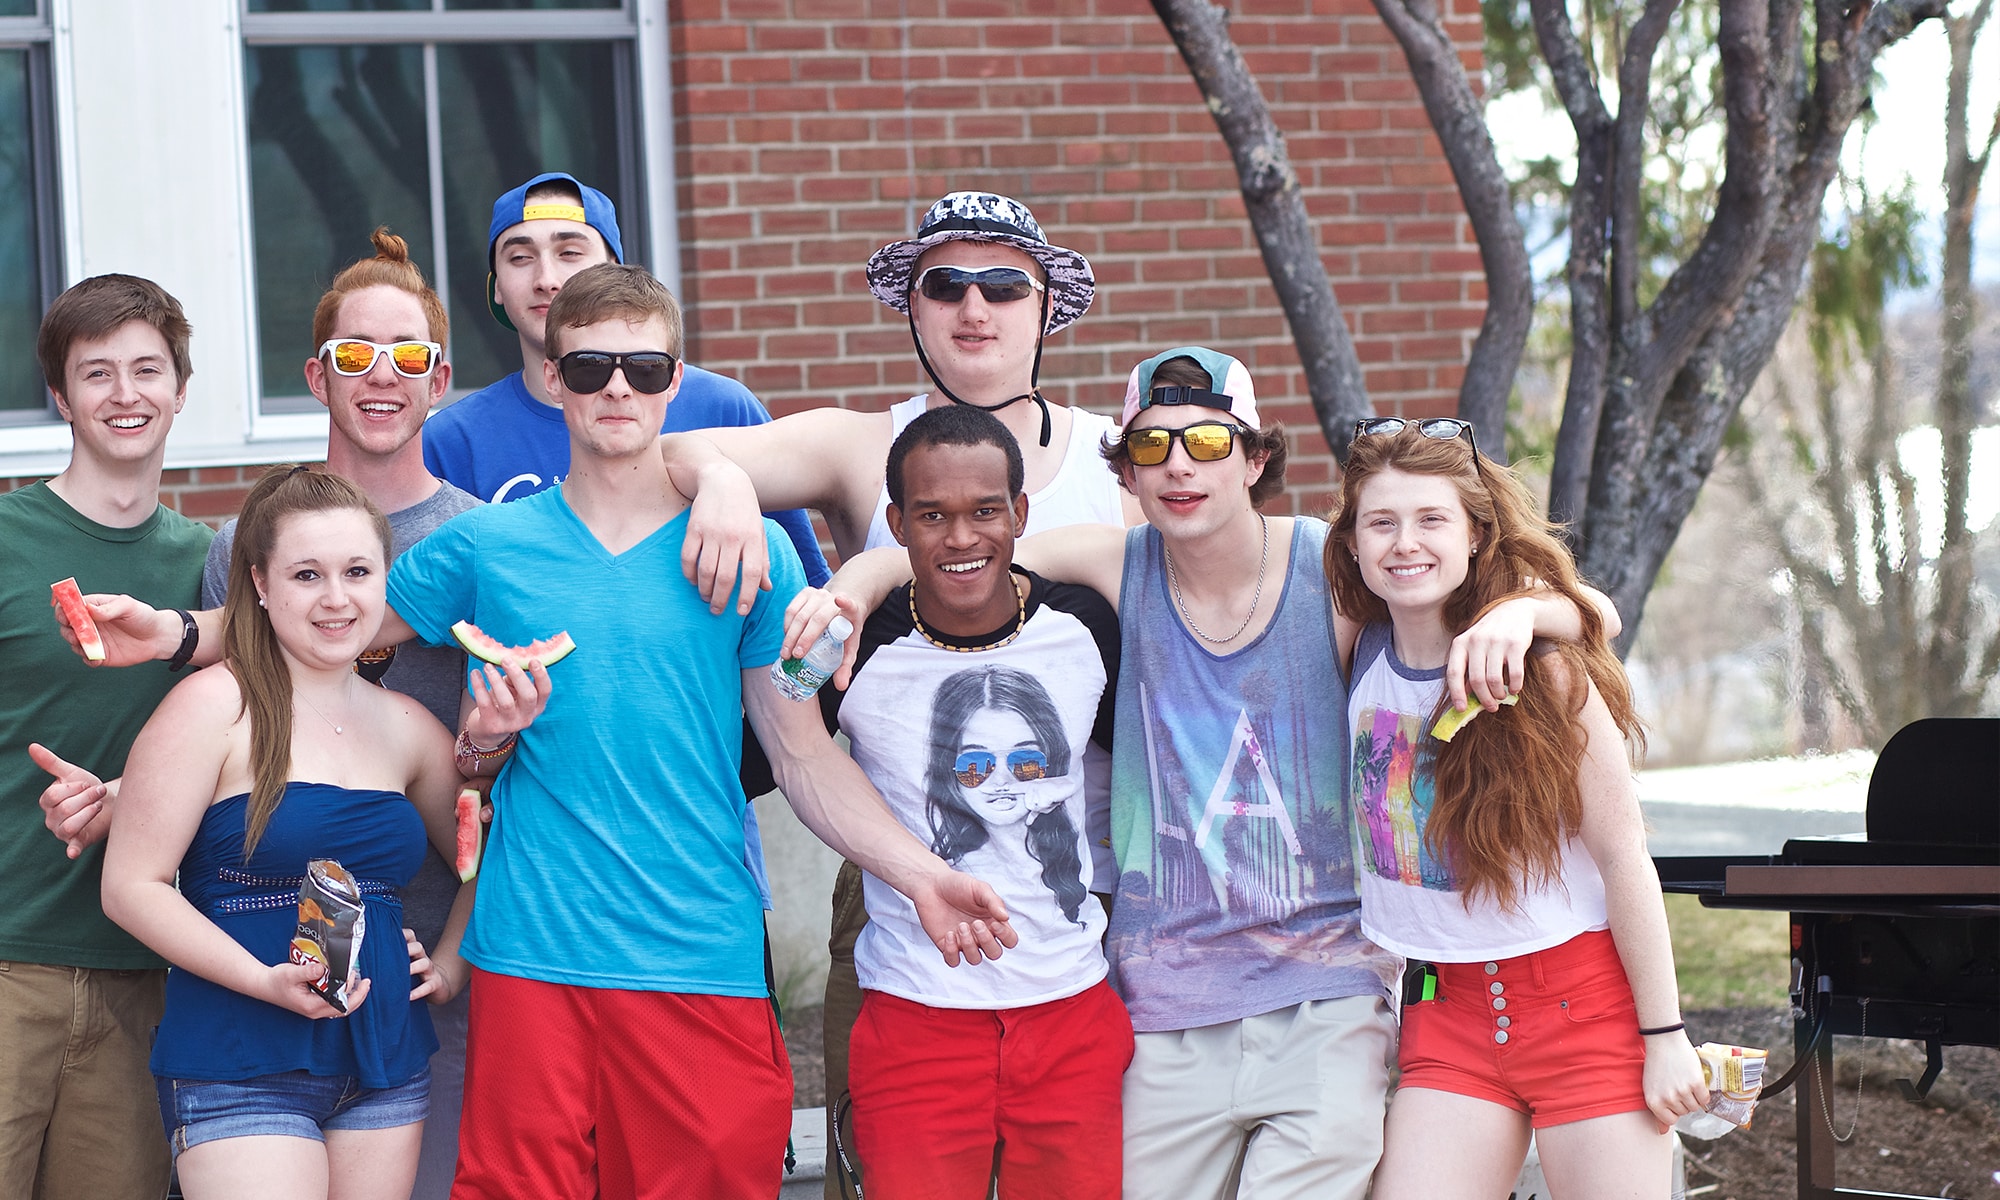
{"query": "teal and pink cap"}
(1229, 380)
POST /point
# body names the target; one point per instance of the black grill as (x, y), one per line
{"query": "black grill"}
(1894, 936)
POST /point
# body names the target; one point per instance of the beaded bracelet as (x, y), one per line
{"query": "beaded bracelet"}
(465, 751)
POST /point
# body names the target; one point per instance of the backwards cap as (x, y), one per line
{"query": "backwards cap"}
(510, 210)
(1233, 395)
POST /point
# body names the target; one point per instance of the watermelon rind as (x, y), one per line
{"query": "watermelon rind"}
(469, 832)
(548, 651)
(1455, 719)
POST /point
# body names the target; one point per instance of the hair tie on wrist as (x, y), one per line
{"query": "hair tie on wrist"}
(1676, 1027)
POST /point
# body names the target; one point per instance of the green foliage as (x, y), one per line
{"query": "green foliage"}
(1873, 250)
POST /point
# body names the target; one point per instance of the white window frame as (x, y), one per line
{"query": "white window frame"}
(153, 178)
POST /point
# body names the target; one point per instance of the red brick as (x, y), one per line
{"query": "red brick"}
(215, 502)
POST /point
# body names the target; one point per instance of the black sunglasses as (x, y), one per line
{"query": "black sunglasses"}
(1000, 285)
(1442, 428)
(1205, 441)
(587, 371)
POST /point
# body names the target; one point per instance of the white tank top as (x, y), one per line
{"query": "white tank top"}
(1083, 491)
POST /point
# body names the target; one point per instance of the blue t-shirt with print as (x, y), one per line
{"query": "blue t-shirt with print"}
(501, 443)
(616, 856)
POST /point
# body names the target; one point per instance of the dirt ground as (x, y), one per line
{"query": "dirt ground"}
(1947, 1146)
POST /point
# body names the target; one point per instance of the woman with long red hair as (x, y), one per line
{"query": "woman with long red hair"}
(1509, 865)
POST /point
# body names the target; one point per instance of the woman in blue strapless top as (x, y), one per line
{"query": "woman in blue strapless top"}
(246, 773)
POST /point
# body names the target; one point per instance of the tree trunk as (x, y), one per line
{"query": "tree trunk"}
(1680, 370)
(1482, 187)
(1277, 210)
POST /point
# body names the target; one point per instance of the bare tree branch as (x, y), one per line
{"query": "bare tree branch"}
(1456, 115)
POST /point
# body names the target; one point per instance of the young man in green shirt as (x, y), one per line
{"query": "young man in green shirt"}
(79, 998)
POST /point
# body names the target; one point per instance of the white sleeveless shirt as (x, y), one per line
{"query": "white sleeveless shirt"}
(1083, 491)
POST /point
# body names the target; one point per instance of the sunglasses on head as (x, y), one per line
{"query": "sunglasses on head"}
(975, 767)
(1205, 441)
(1442, 428)
(1000, 285)
(353, 356)
(587, 371)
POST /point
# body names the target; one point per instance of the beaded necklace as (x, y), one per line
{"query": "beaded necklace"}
(1020, 621)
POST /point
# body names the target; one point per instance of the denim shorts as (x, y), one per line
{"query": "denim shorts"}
(287, 1104)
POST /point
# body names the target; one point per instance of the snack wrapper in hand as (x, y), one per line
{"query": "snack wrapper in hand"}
(332, 924)
(1735, 1078)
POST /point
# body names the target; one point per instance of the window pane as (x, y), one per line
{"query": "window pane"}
(510, 112)
(489, 5)
(17, 8)
(337, 147)
(285, 6)
(22, 396)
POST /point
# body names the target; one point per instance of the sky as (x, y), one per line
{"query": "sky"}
(1907, 137)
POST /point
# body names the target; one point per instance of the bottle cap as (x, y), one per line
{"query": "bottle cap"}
(841, 628)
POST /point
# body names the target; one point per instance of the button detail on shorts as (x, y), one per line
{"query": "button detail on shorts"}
(1493, 968)
(1503, 1022)
(1500, 1037)
(1496, 987)
(1499, 1002)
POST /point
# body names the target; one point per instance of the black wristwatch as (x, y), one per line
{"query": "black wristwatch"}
(190, 638)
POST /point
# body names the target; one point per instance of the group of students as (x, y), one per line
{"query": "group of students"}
(1151, 850)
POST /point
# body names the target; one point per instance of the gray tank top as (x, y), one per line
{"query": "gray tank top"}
(1229, 818)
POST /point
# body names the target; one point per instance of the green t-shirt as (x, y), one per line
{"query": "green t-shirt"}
(49, 906)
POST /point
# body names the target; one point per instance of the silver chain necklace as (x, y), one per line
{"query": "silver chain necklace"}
(1174, 582)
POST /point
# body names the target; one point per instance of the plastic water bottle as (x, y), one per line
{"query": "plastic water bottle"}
(801, 678)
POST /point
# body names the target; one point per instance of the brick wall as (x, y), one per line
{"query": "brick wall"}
(810, 132)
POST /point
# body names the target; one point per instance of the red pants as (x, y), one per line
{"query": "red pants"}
(573, 1093)
(946, 1098)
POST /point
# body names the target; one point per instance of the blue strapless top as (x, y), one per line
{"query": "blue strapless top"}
(211, 1032)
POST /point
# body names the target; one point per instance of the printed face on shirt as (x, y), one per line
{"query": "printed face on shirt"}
(998, 744)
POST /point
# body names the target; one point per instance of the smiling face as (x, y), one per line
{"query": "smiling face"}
(982, 351)
(323, 585)
(1186, 499)
(531, 262)
(1000, 799)
(381, 412)
(618, 421)
(1414, 541)
(959, 524)
(120, 395)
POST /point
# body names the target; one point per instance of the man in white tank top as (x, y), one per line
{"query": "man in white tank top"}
(982, 287)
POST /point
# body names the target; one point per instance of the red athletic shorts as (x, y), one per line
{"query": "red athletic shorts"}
(574, 1092)
(1553, 1034)
(937, 1091)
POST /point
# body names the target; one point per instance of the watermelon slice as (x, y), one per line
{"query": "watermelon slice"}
(1454, 719)
(548, 651)
(470, 828)
(70, 598)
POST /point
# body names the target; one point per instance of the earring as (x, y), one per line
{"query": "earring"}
(260, 602)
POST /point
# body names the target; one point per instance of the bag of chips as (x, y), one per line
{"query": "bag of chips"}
(1735, 1078)
(332, 924)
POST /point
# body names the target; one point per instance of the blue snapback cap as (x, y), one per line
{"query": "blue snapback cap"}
(510, 210)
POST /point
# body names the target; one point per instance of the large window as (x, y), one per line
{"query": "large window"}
(417, 114)
(30, 235)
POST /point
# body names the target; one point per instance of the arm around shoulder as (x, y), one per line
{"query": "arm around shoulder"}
(1091, 555)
